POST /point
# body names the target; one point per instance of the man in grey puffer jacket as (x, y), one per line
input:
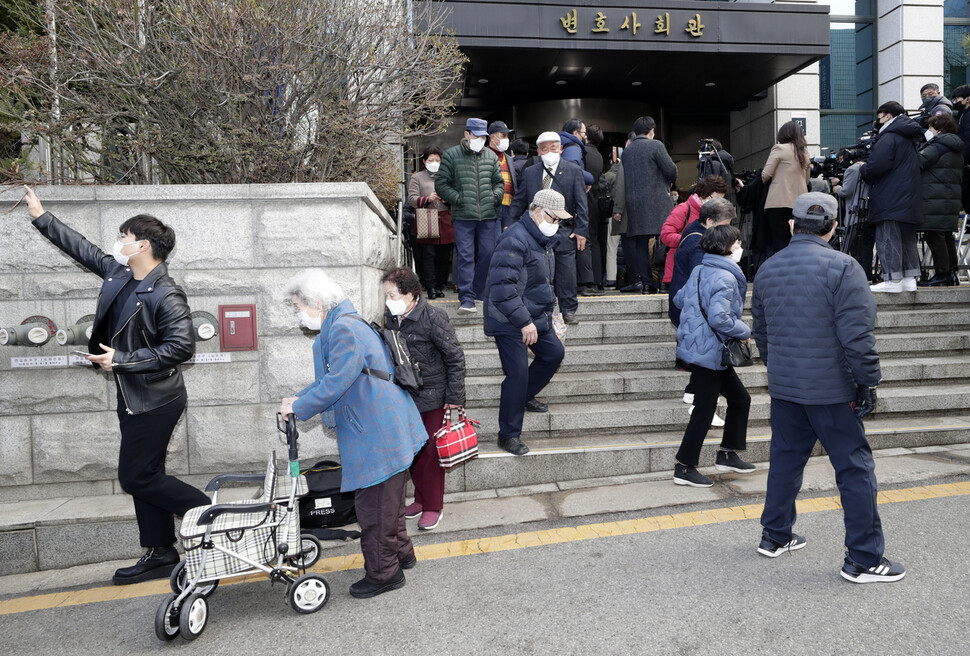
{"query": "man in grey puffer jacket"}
(814, 320)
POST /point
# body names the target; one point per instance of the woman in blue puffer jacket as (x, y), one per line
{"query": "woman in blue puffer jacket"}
(715, 289)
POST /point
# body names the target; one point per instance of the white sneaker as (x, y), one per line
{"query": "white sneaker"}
(465, 309)
(888, 287)
(909, 284)
(688, 398)
(716, 422)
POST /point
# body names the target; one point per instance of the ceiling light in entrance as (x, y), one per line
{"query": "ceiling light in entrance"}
(636, 84)
(710, 84)
(560, 82)
(483, 80)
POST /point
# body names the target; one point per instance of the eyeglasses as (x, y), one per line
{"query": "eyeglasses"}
(555, 219)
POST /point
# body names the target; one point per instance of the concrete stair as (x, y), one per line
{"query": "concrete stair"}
(615, 409)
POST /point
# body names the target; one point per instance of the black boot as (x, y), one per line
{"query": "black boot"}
(954, 279)
(365, 588)
(157, 563)
(636, 287)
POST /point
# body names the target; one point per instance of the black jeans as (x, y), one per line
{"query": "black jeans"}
(141, 472)
(432, 262)
(708, 385)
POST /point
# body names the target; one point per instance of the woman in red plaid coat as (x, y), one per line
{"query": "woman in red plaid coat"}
(433, 345)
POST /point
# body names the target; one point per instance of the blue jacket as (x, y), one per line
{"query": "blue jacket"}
(378, 427)
(814, 318)
(568, 182)
(722, 289)
(519, 285)
(687, 257)
(573, 149)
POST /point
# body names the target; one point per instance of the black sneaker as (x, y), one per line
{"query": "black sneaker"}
(684, 475)
(772, 549)
(885, 572)
(729, 461)
(513, 445)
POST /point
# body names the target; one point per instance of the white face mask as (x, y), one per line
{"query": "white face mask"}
(550, 159)
(476, 144)
(503, 145)
(311, 323)
(432, 166)
(116, 252)
(548, 229)
(397, 307)
(736, 255)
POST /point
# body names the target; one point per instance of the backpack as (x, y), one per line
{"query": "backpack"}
(603, 195)
(325, 506)
(407, 372)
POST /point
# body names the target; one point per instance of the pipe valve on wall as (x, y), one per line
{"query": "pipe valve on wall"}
(204, 326)
(77, 335)
(34, 331)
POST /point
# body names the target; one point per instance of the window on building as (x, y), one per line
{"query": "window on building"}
(847, 75)
(956, 32)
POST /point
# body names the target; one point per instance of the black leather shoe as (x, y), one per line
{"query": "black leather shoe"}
(513, 445)
(938, 280)
(533, 405)
(635, 288)
(570, 319)
(954, 279)
(365, 588)
(409, 564)
(157, 563)
(591, 291)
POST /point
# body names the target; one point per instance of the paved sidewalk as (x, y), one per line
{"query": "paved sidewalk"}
(512, 507)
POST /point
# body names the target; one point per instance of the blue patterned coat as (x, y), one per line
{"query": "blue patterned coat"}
(378, 428)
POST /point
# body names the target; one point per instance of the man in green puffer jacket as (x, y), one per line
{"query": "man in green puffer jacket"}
(470, 181)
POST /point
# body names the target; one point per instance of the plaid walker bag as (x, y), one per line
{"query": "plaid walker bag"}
(456, 442)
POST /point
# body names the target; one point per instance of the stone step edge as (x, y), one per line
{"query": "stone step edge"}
(570, 450)
(487, 455)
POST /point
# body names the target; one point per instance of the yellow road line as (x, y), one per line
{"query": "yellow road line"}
(498, 543)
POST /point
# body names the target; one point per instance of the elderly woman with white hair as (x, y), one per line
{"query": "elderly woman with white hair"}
(378, 427)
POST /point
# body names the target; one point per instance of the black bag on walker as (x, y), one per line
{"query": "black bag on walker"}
(325, 506)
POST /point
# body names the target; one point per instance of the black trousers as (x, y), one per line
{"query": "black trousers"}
(944, 249)
(432, 262)
(708, 385)
(141, 472)
(779, 232)
(384, 537)
(590, 262)
(636, 253)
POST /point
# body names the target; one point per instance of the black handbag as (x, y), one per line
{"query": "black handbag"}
(734, 352)
(407, 372)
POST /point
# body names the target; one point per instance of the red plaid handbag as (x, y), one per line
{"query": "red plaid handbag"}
(456, 442)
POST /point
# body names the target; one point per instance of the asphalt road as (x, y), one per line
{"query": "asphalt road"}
(691, 590)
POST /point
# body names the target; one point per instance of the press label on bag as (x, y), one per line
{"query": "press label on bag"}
(322, 503)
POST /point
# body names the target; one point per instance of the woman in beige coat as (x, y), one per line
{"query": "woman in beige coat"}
(788, 170)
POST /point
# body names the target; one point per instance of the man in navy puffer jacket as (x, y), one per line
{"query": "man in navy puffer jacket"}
(518, 312)
(814, 318)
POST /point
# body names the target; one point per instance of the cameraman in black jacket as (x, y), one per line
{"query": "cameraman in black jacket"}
(142, 332)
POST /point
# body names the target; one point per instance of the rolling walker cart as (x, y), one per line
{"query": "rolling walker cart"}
(240, 538)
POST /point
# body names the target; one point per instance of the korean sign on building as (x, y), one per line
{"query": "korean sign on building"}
(595, 21)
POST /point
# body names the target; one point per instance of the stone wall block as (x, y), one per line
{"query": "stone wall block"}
(375, 236)
(11, 286)
(208, 234)
(15, 466)
(312, 234)
(286, 366)
(75, 446)
(27, 251)
(75, 284)
(233, 438)
(222, 383)
(48, 391)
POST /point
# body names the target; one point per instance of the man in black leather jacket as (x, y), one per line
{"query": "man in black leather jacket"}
(142, 332)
